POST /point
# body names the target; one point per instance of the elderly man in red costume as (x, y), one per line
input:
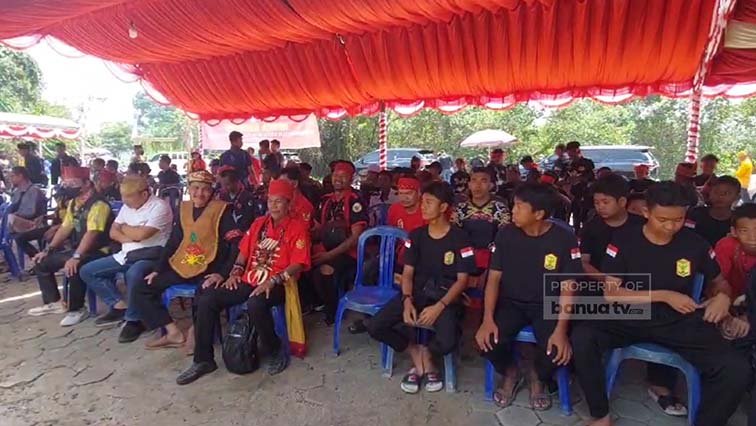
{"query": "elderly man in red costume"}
(275, 249)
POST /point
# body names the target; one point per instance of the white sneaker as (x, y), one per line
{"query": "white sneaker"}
(74, 317)
(50, 308)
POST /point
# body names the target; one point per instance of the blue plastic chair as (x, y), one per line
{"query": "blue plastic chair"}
(370, 299)
(6, 243)
(91, 297)
(178, 290)
(279, 324)
(526, 335)
(658, 354)
(115, 206)
(423, 335)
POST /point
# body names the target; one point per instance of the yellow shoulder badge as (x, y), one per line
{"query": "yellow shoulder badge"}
(683, 267)
(550, 262)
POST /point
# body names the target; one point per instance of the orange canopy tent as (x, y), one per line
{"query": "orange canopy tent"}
(225, 59)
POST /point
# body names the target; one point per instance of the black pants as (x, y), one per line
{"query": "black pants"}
(331, 285)
(48, 285)
(24, 239)
(149, 297)
(661, 375)
(724, 372)
(388, 326)
(210, 302)
(510, 318)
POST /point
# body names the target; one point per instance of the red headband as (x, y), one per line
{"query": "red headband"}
(281, 188)
(344, 168)
(408, 183)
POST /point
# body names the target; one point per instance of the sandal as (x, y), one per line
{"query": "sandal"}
(411, 382)
(162, 343)
(669, 404)
(503, 401)
(540, 402)
(433, 382)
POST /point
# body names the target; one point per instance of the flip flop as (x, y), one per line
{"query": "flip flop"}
(540, 402)
(668, 404)
(162, 343)
(502, 401)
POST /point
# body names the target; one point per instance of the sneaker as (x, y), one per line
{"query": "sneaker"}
(277, 362)
(113, 317)
(433, 382)
(50, 308)
(74, 317)
(131, 331)
(411, 382)
(319, 308)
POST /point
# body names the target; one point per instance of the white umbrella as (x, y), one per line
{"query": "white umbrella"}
(489, 138)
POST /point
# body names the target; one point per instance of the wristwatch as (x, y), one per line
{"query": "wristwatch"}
(76, 256)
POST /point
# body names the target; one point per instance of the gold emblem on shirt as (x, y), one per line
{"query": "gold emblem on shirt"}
(683, 267)
(300, 244)
(357, 207)
(448, 258)
(550, 262)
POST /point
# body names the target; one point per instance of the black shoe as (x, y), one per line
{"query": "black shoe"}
(357, 327)
(197, 370)
(113, 317)
(131, 331)
(277, 362)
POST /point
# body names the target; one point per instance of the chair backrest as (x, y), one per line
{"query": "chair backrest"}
(698, 284)
(4, 228)
(386, 254)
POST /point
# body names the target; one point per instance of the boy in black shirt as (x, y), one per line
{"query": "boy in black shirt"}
(610, 201)
(610, 195)
(664, 254)
(437, 262)
(522, 254)
(713, 220)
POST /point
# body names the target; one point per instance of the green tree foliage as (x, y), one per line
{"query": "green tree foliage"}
(158, 121)
(20, 82)
(115, 137)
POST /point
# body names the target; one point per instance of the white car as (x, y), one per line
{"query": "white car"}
(178, 158)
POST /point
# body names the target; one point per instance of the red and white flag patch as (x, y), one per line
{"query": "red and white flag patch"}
(466, 252)
(690, 224)
(407, 243)
(612, 250)
(712, 253)
(575, 253)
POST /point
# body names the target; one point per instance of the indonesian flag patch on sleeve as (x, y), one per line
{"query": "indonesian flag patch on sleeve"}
(407, 243)
(690, 224)
(712, 254)
(612, 250)
(575, 253)
(466, 252)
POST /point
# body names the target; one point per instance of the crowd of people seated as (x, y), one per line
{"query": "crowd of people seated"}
(256, 230)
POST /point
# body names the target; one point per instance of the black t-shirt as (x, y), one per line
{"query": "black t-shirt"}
(242, 207)
(672, 266)
(438, 259)
(700, 221)
(481, 223)
(596, 235)
(700, 180)
(168, 178)
(524, 261)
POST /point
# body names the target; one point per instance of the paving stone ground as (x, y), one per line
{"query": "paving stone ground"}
(51, 375)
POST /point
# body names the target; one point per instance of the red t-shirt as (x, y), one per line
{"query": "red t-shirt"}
(734, 263)
(398, 217)
(301, 208)
(270, 249)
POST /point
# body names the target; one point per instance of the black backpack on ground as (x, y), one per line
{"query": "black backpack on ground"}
(240, 346)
